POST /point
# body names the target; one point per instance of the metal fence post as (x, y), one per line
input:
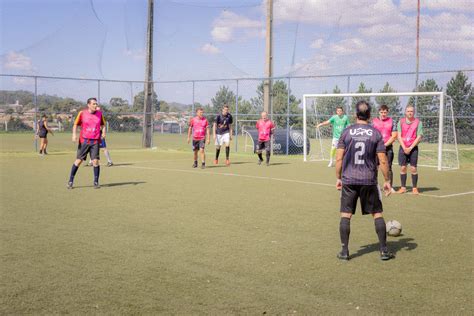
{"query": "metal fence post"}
(288, 118)
(236, 120)
(348, 99)
(98, 91)
(131, 95)
(35, 124)
(192, 107)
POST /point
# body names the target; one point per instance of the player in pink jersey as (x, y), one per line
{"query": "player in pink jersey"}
(92, 125)
(199, 127)
(410, 132)
(387, 127)
(265, 129)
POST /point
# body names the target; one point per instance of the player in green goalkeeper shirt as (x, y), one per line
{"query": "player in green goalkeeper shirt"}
(339, 122)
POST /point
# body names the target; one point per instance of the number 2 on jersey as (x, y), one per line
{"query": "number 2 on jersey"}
(359, 153)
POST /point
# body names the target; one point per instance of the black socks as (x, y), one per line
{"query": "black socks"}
(260, 156)
(344, 231)
(414, 180)
(73, 172)
(227, 153)
(96, 174)
(403, 179)
(381, 231)
(268, 156)
(218, 151)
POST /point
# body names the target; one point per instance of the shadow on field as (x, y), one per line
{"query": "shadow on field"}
(278, 163)
(123, 164)
(110, 185)
(428, 189)
(393, 246)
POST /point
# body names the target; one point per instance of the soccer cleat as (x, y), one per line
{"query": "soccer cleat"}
(203, 166)
(260, 162)
(110, 164)
(40, 152)
(227, 162)
(402, 190)
(343, 256)
(393, 190)
(268, 164)
(69, 185)
(386, 255)
(96, 185)
(216, 162)
(415, 191)
(45, 152)
(195, 164)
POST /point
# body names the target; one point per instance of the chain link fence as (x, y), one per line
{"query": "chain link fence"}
(23, 99)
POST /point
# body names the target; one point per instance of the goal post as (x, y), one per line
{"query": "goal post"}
(438, 146)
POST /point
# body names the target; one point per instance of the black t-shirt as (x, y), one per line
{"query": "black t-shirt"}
(361, 143)
(223, 123)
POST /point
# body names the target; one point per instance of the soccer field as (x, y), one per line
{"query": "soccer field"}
(161, 237)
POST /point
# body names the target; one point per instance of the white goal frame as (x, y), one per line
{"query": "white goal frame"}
(439, 94)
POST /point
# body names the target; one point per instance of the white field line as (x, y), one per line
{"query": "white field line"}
(272, 179)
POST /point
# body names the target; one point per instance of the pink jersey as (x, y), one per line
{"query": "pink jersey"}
(90, 124)
(385, 127)
(264, 128)
(199, 126)
(409, 131)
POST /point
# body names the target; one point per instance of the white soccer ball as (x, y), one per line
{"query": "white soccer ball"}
(394, 228)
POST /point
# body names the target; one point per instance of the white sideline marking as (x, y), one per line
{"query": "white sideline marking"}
(274, 179)
(231, 174)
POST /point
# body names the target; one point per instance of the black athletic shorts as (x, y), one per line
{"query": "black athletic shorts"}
(199, 144)
(263, 145)
(411, 158)
(86, 148)
(370, 198)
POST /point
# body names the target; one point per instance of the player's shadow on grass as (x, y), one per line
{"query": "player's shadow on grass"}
(427, 189)
(278, 163)
(123, 164)
(393, 246)
(117, 184)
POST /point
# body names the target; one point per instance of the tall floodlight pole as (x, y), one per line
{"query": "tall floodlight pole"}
(417, 51)
(148, 89)
(267, 84)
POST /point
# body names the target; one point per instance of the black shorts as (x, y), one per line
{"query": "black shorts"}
(411, 158)
(86, 148)
(43, 134)
(103, 144)
(199, 144)
(263, 145)
(370, 198)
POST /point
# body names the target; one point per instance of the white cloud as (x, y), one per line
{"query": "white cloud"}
(17, 61)
(317, 43)
(452, 5)
(210, 49)
(228, 24)
(135, 54)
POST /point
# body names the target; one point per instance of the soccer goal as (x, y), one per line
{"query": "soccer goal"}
(438, 147)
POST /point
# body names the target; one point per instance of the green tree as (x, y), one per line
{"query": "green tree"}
(392, 102)
(223, 95)
(426, 105)
(461, 91)
(362, 89)
(325, 107)
(118, 102)
(139, 101)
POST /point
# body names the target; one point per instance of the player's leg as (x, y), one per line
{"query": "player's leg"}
(41, 145)
(371, 203)
(390, 163)
(332, 153)
(349, 196)
(260, 147)
(94, 153)
(267, 152)
(218, 151)
(414, 170)
(82, 152)
(103, 145)
(195, 153)
(402, 161)
(202, 145)
(226, 141)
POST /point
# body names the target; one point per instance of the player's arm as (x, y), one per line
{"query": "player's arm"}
(323, 124)
(47, 128)
(419, 136)
(383, 166)
(339, 157)
(230, 131)
(77, 121)
(208, 134)
(399, 136)
(392, 139)
(214, 126)
(190, 129)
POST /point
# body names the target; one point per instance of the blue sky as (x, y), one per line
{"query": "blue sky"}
(224, 39)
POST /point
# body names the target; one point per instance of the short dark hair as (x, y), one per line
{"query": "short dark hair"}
(339, 107)
(91, 99)
(363, 110)
(225, 105)
(383, 107)
(199, 109)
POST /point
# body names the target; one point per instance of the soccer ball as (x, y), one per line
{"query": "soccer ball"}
(394, 228)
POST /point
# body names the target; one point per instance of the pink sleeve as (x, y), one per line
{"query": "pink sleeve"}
(191, 122)
(207, 123)
(256, 125)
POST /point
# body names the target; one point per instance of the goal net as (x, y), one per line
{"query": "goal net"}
(438, 147)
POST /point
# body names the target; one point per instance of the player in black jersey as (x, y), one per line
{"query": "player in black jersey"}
(222, 132)
(356, 170)
(42, 131)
